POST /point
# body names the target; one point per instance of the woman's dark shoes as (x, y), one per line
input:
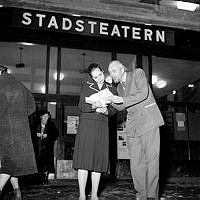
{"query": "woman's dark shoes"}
(17, 194)
(45, 178)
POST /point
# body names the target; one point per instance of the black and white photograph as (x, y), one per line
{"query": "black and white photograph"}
(99, 99)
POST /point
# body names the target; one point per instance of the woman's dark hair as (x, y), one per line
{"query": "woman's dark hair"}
(92, 67)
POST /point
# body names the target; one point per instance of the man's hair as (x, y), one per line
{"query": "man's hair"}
(117, 63)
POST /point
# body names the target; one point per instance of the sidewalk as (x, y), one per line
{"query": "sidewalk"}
(109, 190)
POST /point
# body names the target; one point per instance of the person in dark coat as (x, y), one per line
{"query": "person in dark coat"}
(92, 140)
(45, 135)
(16, 149)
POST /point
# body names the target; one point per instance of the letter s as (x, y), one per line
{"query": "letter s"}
(27, 16)
(79, 24)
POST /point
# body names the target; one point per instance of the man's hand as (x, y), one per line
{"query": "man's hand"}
(44, 135)
(97, 104)
(115, 99)
(39, 134)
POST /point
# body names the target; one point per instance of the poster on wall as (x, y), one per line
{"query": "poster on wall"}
(65, 170)
(180, 119)
(72, 124)
(122, 151)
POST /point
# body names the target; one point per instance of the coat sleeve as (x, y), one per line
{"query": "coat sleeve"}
(85, 107)
(3, 104)
(111, 109)
(118, 107)
(53, 130)
(141, 93)
(30, 103)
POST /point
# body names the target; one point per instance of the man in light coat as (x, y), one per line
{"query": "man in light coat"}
(142, 127)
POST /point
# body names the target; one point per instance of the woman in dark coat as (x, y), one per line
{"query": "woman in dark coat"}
(16, 149)
(45, 135)
(92, 140)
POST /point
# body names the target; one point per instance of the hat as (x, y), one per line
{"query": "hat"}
(43, 112)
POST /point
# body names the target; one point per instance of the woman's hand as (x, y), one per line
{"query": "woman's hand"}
(97, 104)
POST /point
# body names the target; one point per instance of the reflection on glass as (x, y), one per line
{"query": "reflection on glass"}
(53, 70)
(52, 109)
(154, 79)
(42, 89)
(181, 76)
(62, 75)
(161, 84)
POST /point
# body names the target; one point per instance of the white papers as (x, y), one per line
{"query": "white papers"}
(99, 96)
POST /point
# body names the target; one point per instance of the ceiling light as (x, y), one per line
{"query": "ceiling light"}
(161, 84)
(187, 6)
(20, 64)
(52, 103)
(76, 15)
(27, 43)
(190, 85)
(61, 76)
(154, 79)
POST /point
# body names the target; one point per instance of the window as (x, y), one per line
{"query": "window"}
(181, 76)
(127, 59)
(32, 73)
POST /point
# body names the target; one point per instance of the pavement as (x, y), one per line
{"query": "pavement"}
(67, 189)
